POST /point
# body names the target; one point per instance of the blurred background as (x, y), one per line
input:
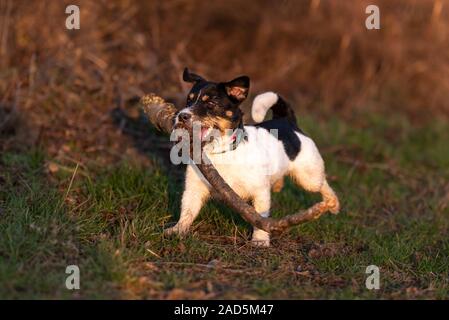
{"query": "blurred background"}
(76, 188)
(317, 53)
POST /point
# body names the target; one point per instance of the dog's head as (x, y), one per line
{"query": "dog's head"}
(214, 104)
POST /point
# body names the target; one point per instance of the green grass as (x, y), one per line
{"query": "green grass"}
(392, 179)
(39, 237)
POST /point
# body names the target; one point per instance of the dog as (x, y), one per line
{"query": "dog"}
(250, 158)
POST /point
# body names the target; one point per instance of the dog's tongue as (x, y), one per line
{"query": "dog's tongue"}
(203, 133)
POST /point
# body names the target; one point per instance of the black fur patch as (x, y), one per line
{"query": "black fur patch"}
(209, 99)
(286, 134)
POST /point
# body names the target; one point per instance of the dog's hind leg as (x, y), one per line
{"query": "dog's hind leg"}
(313, 184)
(278, 185)
(308, 171)
(330, 198)
(193, 198)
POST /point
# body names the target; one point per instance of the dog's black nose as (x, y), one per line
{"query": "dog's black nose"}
(184, 116)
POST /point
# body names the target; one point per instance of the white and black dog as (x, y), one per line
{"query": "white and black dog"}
(250, 158)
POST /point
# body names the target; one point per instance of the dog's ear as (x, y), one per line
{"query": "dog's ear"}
(187, 76)
(238, 88)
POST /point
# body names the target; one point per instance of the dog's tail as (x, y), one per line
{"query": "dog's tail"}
(271, 100)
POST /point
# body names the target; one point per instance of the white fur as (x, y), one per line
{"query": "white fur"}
(185, 110)
(251, 170)
(261, 104)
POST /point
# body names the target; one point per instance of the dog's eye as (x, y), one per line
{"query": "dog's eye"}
(205, 98)
(191, 96)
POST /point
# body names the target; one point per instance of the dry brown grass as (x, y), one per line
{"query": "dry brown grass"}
(315, 52)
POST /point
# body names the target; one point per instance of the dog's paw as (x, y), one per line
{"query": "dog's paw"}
(334, 205)
(175, 230)
(261, 243)
(260, 238)
(170, 231)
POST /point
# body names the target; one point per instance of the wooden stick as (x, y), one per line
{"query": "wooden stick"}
(160, 113)
(248, 213)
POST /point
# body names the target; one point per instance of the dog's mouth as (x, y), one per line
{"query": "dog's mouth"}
(205, 133)
(201, 132)
(204, 129)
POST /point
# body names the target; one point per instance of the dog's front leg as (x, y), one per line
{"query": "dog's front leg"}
(262, 203)
(193, 198)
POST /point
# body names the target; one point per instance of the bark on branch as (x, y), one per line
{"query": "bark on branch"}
(161, 114)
